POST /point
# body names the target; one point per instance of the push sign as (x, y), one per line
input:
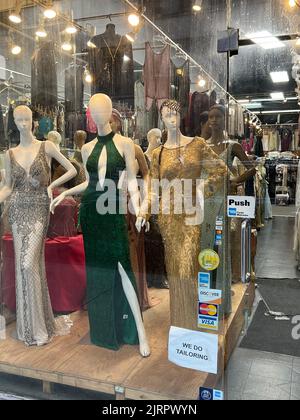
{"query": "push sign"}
(241, 207)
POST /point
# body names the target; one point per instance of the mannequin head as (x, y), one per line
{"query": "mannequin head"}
(55, 138)
(216, 119)
(110, 28)
(23, 119)
(80, 139)
(101, 109)
(170, 114)
(154, 137)
(116, 121)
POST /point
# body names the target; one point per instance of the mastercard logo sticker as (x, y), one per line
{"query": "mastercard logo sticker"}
(209, 260)
(208, 310)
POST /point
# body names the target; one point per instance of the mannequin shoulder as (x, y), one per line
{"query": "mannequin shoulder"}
(87, 149)
(124, 143)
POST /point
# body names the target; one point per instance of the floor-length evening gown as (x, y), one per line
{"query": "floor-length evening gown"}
(181, 237)
(28, 214)
(106, 244)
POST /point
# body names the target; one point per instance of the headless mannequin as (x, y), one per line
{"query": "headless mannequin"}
(110, 35)
(55, 138)
(26, 153)
(154, 139)
(101, 111)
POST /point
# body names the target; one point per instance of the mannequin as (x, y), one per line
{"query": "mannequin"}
(29, 193)
(55, 138)
(109, 273)
(155, 254)
(228, 150)
(136, 239)
(183, 158)
(154, 139)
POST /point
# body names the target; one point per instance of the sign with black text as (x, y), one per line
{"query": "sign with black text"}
(194, 350)
(241, 207)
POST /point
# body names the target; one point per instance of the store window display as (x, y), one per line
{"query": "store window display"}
(183, 158)
(27, 187)
(113, 307)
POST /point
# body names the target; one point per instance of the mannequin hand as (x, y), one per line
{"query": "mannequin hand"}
(140, 223)
(56, 202)
(50, 193)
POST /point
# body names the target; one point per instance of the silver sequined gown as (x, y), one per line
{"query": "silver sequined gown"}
(28, 213)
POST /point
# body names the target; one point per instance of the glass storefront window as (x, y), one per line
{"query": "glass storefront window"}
(136, 178)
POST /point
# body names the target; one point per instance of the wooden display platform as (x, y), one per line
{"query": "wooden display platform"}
(123, 374)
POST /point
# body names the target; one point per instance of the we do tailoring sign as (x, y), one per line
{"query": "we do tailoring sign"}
(194, 350)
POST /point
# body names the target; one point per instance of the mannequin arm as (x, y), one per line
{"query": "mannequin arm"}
(129, 154)
(79, 189)
(144, 171)
(54, 153)
(6, 190)
(238, 151)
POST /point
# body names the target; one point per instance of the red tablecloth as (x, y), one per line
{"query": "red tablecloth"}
(65, 267)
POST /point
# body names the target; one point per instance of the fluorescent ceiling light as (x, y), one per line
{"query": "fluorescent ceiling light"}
(254, 105)
(279, 111)
(244, 101)
(280, 76)
(277, 96)
(266, 40)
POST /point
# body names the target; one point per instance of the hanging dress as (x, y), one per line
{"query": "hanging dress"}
(106, 244)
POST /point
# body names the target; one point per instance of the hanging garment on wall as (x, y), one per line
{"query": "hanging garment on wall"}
(157, 76)
(45, 126)
(90, 124)
(199, 104)
(3, 144)
(111, 65)
(74, 88)
(74, 122)
(213, 98)
(13, 133)
(44, 77)
(145, 120)
(286, 137)
(258, 147)
(181, 85)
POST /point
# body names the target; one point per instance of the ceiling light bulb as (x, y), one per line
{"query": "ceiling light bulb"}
(41, 33)
(50, 13)
(134, 19)
(88, 77)
(197, 8)
(202, 83)
(71, 29)
(66, 46)
(126, 58)
(292, 3)
(15, 17)
(298, 42)
(16, 50)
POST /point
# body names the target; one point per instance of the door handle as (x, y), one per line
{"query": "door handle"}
(246, 251)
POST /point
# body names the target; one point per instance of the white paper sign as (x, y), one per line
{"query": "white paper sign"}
(241, 207)
(194, 350)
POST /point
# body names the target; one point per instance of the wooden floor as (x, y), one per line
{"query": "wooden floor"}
(124, 373)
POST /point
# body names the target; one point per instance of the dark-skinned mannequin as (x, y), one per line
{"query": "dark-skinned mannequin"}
(229, 150)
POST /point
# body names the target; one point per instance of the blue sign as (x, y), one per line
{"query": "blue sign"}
(232, 212)
(204, 280)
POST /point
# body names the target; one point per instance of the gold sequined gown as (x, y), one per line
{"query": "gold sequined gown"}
(181, 240)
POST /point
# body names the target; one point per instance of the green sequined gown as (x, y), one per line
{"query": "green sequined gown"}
(106, 244)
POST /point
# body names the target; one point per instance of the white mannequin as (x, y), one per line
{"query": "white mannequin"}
(26, 152)
(101, 112)
(55, 138)
(154, 139)
(172, 121)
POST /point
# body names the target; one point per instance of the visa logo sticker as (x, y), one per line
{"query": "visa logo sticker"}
(204, 281)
